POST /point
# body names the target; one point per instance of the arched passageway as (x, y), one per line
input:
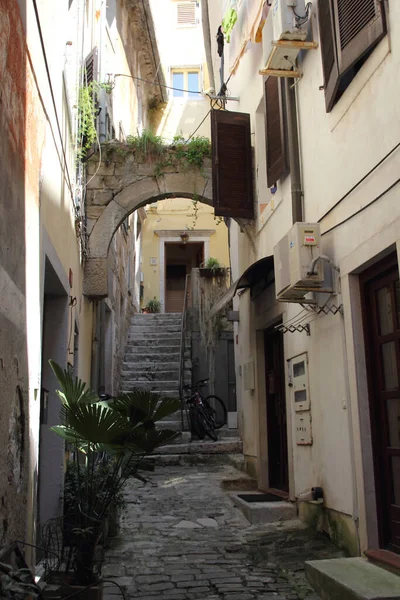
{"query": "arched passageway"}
(122, 181)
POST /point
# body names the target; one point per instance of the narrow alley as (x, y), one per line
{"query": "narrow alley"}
(182, 538)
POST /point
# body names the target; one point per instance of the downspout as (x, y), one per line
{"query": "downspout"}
(205, 19)
(293, 150)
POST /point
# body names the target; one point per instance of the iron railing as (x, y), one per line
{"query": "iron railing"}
(182, 350)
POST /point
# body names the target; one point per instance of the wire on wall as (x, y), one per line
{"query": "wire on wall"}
(53, 99)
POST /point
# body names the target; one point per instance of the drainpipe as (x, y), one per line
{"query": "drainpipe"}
(293, 150)
(95, 348)
(205, 19)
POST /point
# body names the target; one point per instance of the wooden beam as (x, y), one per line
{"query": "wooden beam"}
(280, 73)
(295, 44)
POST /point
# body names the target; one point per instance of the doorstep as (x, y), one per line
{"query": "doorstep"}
(385, 559)
(351, 579)
(264, 512)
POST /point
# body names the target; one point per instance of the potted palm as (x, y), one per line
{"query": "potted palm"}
(152, 306)
(212, 268)
(111, 440)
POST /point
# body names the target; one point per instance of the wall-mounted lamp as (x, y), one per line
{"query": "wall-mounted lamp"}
(184, 237)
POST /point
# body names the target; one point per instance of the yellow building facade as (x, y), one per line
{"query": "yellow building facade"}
(178, 235)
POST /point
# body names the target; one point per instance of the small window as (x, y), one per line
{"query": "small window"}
(186, 14)
(186, 83)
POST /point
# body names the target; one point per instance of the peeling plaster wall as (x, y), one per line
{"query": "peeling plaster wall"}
(21, 124)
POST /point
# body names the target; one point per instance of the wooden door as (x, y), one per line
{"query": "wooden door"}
(175, 288)
(381, 300)
(276, 411)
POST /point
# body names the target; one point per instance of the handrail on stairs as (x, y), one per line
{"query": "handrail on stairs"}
(182, 349)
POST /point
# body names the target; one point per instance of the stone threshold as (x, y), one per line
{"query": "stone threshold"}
(385, 559)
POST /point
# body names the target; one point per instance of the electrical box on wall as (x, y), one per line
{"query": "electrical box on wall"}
(301, 393)
(292, 258)
(248, 376)
(303, 429)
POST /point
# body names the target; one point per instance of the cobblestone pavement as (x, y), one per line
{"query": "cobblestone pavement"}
(182, 538)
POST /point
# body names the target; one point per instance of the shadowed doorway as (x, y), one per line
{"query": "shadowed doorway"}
(180, 259)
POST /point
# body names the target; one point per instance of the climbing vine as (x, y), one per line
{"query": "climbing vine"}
(88, 111)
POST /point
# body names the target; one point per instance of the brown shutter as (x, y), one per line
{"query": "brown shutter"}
(275, 130)
(328, 51)
(348, 29)
(91, 67)
(232, 171)
(360, 25)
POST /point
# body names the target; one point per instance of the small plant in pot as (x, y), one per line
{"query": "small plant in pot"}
(111, 439)
(152, 306)
(212, 268)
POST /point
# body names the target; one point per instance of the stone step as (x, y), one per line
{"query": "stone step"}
(151, 352)
(154, 335)
(154, 343)
(134, 366)
(352, 579)
(131, 377)
(152, 386)
(164, 460)
(265, 512)
(157, 317)
(157, 328)
(150, 357)
(174, 393)
(223, 446)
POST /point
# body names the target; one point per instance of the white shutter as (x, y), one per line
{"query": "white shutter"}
(186, 13)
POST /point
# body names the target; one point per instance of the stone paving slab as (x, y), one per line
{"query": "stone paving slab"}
(182, 538)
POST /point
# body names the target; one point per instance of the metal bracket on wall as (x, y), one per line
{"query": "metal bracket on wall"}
(333, 309)
(295, 329)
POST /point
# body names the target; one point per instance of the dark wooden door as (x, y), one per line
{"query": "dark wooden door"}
(276, 411)
(175, 288)
(381, 298)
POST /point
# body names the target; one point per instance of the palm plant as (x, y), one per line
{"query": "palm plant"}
(113, 437)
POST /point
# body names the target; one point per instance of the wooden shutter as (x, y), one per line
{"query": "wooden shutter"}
(360, 25)
(328, 51)
(347, 30)
(275, 130)
(186, 13)
(232, 170)
(92, 67)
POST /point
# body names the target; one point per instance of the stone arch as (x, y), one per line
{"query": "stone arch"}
(123, 183)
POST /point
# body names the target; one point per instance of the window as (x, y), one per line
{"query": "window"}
(349, 31)
(186, 84)
(186, 14)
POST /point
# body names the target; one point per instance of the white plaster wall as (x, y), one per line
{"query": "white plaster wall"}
(337, 149)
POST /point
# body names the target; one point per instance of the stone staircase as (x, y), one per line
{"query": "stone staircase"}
(151, 362)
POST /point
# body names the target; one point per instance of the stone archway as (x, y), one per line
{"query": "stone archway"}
(123, 182)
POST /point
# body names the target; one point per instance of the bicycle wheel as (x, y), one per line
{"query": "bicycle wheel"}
(207, 422)
(196, 424)
(219, 410)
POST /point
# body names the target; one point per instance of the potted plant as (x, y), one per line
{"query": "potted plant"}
(111, 439)
(152, 306)
(212, 268)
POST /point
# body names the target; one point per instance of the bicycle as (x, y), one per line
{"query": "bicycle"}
(206, 414)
